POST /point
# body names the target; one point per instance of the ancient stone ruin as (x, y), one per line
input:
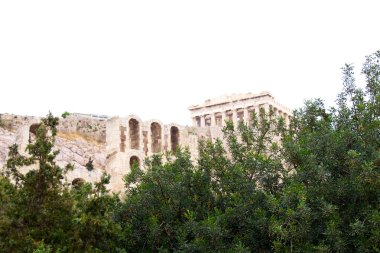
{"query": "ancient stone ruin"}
(210, 117)
(114, 145)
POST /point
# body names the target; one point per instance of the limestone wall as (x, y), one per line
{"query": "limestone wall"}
(7, 138)
(92, 129)
(130, 139)
(115, 144)
(78, 139)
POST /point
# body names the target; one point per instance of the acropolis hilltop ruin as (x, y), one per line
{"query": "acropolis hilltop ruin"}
(210, 117)
(115, 144)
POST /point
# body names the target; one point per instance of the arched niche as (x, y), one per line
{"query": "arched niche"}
(134, 160)
(174, 138)
(33, 131)
(134, 133)
(156, 137)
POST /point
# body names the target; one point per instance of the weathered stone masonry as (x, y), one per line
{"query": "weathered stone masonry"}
(115, 144)
(210, 117)
(130, 140)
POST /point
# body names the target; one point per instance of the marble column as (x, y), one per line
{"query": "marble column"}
(234, 117)
(203, 121)
(246, 116)
(213, 122)
(224, 118)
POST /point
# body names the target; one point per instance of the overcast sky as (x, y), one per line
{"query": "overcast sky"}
(156, 58)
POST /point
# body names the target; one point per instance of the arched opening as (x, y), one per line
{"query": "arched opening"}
(77, 182)
(134, 160)
(134, 133)
(33, 132)
(33, 128)
(155, 130)
(174, 137)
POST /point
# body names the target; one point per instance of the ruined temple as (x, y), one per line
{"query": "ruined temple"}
(115, 144)
(210, 117)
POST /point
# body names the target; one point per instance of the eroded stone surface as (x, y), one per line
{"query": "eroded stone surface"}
(115, 144)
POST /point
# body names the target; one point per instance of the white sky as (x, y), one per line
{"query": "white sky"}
(156, 58)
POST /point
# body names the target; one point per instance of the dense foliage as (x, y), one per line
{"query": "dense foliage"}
(311, 186)
(39, 211)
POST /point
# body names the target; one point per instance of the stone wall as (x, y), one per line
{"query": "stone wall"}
(130, 139)
(89, 128)
(78, 139)
(115, 144)
(7, 138)
(13, 122)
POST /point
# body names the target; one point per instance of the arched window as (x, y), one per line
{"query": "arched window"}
(134, 133)
(156, 137)
(134, 160)
(174, 138)
(33, 132)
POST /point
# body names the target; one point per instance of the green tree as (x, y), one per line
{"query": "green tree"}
(335, 155)
(158, 201)
(221, 205)
(312, 186)
(41, 206)
(94, 224)
(65, 114)
(39, 211)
